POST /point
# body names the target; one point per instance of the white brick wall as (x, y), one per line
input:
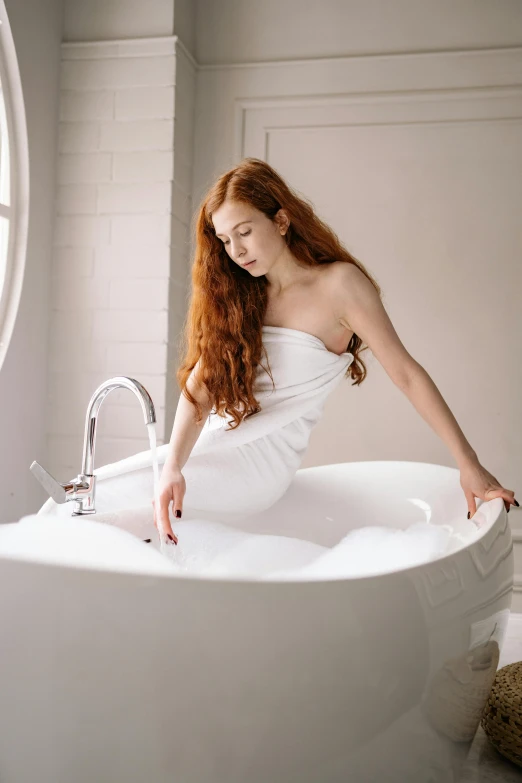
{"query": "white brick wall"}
(98, 72)
(79, 230)
(130, 136)
(184, 111)
(72, 262)
(153, 166)
(143, 102)
(140, 230)
(133, 198)
(79, 137)
(137, 295)
(85, 168)
(76, 199)
(121, 247)
(88, 106)
(129, 262)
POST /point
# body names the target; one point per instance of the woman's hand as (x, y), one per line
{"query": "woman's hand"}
(477, 482)
(171, 488)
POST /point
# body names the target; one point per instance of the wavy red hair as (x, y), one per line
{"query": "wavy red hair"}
(222, 330)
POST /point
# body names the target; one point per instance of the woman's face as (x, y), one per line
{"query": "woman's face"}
(252, 240)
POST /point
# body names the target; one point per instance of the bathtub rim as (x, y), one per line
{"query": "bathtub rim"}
(251, 583)
(496, 520)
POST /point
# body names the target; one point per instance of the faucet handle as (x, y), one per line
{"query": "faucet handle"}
(57, 491)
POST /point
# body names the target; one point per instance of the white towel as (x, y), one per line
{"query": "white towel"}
(234, 473)
(304, 373)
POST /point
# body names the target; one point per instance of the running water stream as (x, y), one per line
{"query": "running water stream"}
(152, 440)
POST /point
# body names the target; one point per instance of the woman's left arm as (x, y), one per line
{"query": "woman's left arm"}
(359, 304)
(475, 480)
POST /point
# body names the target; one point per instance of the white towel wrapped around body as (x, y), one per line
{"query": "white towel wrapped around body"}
(235, 473)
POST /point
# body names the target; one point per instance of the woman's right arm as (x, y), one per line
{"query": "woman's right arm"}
(185, 433)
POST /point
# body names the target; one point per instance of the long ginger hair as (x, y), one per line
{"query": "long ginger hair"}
(222, 329)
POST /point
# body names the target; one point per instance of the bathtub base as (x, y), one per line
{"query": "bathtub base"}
(132, 677)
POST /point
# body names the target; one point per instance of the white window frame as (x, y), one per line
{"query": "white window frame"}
(14, 191)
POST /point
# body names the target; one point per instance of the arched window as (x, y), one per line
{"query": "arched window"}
(14, 184)
(5, 195)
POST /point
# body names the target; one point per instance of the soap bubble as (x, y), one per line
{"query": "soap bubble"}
(217, 550)
(375, 550)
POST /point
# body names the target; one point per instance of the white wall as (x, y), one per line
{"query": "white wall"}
(236, 31)
(37, 28)
(105, 20)
(185, 23)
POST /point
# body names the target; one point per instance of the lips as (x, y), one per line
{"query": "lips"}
(249, 263)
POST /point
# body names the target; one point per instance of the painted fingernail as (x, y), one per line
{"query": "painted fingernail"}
(174, 542)
(469, 512)
(516, 502)
(178, 513)
(147, 540)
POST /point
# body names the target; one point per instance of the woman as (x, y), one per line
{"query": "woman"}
(271, 280)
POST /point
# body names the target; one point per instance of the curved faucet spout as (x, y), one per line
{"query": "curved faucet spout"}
(82, 489)
(120, 382)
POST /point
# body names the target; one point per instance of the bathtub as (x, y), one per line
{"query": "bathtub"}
(112, 677)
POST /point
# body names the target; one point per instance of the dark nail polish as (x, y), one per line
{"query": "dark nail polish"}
(147, 540)
(516, 502)
(174, 542)
(469, 514)
(178, 513)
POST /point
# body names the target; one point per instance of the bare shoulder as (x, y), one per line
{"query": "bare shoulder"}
(358, 303)
(346, 283)
(346, 274)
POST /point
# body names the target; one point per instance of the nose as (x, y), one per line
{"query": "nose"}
(237, 251)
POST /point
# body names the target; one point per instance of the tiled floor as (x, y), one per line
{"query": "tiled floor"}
(484, 764)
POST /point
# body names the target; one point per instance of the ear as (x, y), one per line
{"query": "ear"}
(282, 221)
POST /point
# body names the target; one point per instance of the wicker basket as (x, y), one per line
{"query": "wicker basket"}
(455, 699)
(502, 718)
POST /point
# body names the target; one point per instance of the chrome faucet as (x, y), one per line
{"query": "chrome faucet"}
(82, 489)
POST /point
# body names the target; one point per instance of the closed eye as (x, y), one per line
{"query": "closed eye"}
(241, 235)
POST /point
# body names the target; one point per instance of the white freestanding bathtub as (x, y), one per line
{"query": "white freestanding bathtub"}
(114, 677)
